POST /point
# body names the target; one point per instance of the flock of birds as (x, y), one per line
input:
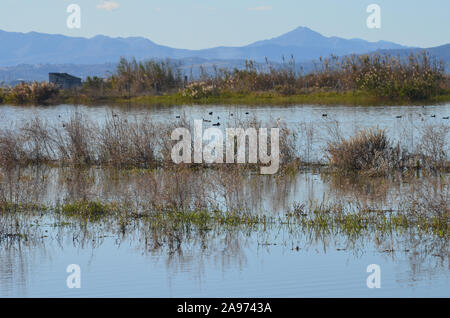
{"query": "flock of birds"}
(323, 115)
(211, 114)
(420, 115)
(432, 116)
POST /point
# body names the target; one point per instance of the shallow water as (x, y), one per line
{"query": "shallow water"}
(110, 270)
(278, 261)
(261, 261)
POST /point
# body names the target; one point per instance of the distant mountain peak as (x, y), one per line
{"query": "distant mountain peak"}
(299, 36)
(305, 29)
(303, 43)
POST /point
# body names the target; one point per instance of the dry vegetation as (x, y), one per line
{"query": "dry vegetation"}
(371, 152)
(118, 142)
(35, 93)
(417, 77)
(414, 78)
(122, 142)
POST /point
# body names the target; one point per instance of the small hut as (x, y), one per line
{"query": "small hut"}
(64, 80)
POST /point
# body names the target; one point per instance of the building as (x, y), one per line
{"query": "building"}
(64, 80)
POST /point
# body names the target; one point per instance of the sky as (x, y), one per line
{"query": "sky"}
(199, 24)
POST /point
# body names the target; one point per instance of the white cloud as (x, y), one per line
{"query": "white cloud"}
(261, 8)
(108, 5)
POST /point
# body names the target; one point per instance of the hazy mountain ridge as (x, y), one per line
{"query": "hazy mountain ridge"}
(39, 48)
(441, 52)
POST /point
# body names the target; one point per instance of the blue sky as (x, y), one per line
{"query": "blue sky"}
(196, 24)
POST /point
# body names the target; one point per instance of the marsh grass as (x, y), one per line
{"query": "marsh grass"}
(323, 217)
(90, 210)
(367, 151)
(356, 79)
(122, 142)
(334, 217)
(414, 78)
(371, 152)
(36, 93)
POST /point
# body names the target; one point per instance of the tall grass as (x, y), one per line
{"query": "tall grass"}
(37, 93)
(416, 77)
(366, 151)
(133, 78)
(370, 151)
(119, 142)
(131, 142)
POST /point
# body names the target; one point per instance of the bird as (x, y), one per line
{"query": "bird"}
(231, 114)
(446, 117)
(398, 116)
(178, 116)
(218, 117)
(433, 116)
(206, 120)
(218, 124)
(246, 113)
(210, 113)
(324, 115)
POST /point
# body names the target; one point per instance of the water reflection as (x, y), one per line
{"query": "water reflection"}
(192, 250)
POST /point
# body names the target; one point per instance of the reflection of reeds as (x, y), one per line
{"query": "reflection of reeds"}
(320, 219)
(170, 211)
(186, 193)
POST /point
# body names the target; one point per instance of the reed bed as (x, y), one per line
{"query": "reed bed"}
(119, 142)
(371, 152)
(383, 76)
(122, 142)
(417, 77)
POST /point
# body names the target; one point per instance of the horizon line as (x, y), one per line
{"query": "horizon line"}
(220, 46)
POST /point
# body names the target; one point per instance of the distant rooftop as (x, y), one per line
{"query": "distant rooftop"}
(65, 75)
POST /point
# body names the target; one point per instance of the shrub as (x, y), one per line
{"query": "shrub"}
(368, 150)
(199, 90)
(35, 92)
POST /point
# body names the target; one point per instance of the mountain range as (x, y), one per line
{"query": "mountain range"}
(32, 55)
(303, 43)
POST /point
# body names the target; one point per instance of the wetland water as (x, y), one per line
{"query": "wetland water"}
(280, 259)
